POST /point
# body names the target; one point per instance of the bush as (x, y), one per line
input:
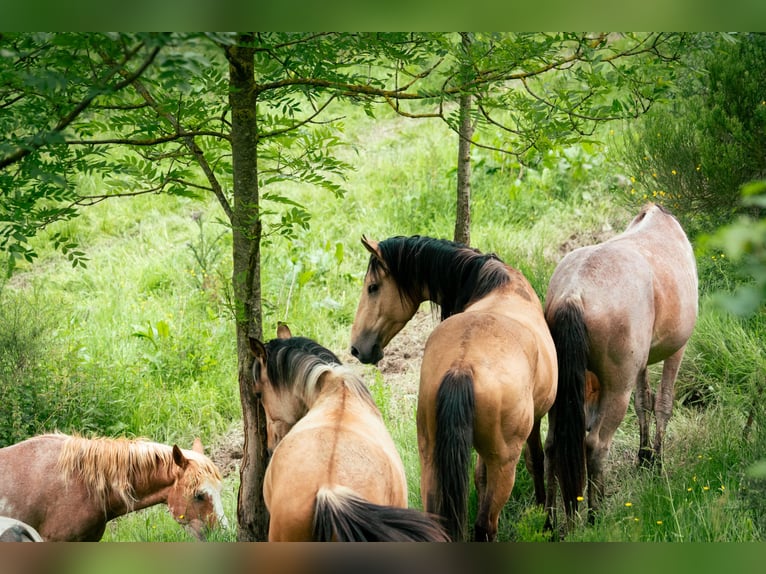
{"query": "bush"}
(695, 152)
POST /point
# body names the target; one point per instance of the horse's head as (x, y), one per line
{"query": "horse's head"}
(281, 370)
(195, 498)
(382, 311)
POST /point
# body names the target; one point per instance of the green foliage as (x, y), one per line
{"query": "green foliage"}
(695, 152)
(744, 241)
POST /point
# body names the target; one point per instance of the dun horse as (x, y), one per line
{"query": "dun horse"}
(613, 309)
(69, 487)
(488, 373)
(335, 473)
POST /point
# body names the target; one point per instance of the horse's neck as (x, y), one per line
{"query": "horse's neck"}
(335, 392)
(513, 299)
(147, 490)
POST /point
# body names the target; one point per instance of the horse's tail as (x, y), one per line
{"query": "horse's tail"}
(452, 450)
(342, 515)
(567, 416)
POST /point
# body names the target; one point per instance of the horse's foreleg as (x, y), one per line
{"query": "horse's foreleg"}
(535, 462)
(644, 403)
(663, 403)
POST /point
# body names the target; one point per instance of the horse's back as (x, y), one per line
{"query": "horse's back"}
(327, 455)
(637, 289)
(28, 481)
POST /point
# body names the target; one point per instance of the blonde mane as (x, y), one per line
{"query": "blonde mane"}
(112, 466)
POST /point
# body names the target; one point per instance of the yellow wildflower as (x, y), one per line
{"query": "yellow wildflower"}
(628, 504)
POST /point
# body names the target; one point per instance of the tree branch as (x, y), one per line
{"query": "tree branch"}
(65, 121)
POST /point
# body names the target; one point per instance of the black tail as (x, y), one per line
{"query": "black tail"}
(341, 515)
(452, 452)
(566, 418)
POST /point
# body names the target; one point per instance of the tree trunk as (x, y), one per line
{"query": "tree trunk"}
(465, 133)
(252, 516)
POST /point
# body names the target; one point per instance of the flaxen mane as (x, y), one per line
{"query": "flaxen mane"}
(297, 363)
(112, 466)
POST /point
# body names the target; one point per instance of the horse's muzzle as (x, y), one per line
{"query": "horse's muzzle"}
(370, 356)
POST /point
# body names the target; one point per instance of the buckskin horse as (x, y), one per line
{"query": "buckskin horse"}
(613, 309)
(335, 473)
(488, 373)
(68, 487)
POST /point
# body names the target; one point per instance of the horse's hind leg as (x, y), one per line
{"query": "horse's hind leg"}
(663, 403)
(500, 478)
(535, 462)
(643, 402)
(613, 407)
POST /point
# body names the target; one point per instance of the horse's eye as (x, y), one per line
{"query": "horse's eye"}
(372, 288)
(199, 496)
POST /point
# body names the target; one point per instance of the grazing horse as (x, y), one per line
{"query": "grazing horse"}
(488, 373)
(69, 487)
(12, 530)
(335, 473)
(613, 309)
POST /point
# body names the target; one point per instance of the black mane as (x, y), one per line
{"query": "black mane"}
(291, 360)
(453, 274)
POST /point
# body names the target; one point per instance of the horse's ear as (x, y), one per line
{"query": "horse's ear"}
(258, 349)
(372, 246)
(283, 331)
(179, 458)
(197, 446)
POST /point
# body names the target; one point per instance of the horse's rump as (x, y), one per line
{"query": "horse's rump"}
(342, 515)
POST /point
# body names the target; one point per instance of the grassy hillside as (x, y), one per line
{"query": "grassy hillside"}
(141, 342)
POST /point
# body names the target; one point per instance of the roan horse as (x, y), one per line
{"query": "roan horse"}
(613, 309)
(488, 373)
(69, 487)
(335, 473)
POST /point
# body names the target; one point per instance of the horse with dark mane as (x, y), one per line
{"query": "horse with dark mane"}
(613, 309)
(488, 373)
(335, 473)
(68, 487)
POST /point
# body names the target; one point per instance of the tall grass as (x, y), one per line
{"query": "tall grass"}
(142, 342)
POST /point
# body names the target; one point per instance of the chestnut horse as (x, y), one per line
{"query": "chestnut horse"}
(488, 373)
(335, 473)
(69, 487)
(613, 309)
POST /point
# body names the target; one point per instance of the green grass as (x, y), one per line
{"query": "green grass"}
(141, 342)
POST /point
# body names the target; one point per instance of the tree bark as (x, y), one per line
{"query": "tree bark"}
(463, 209)
(252, 516)
(465, 134)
